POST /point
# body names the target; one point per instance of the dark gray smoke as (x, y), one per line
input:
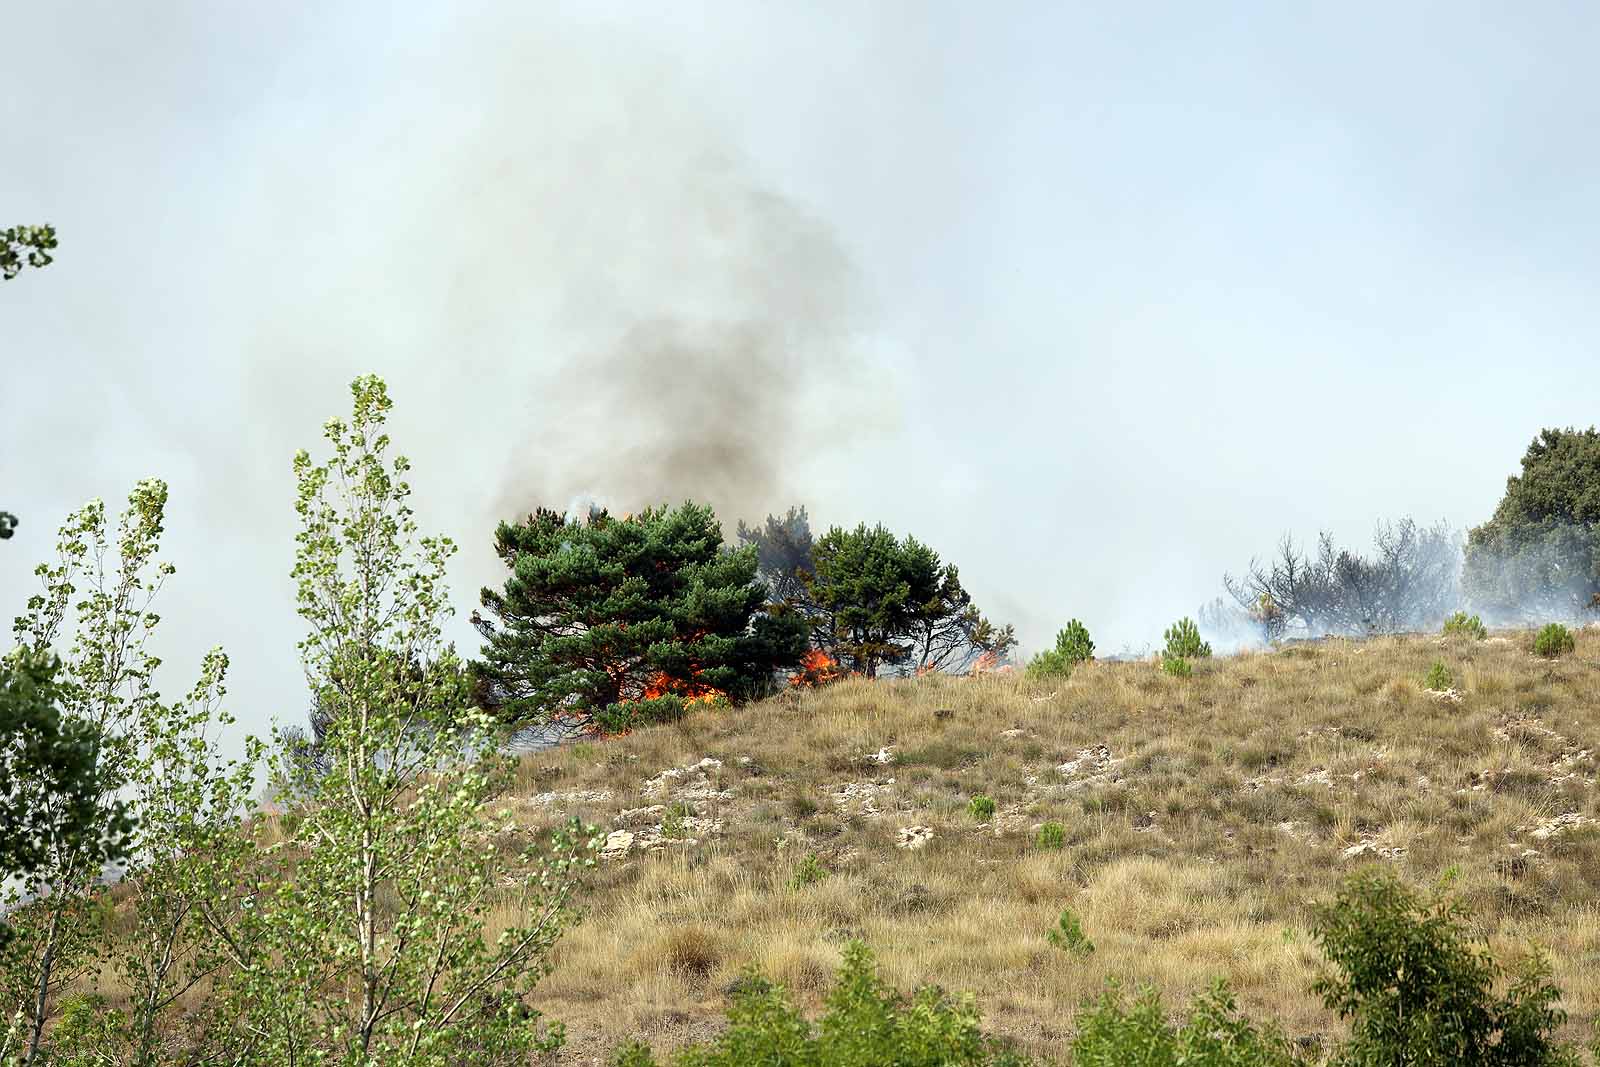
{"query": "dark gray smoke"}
(721, 395)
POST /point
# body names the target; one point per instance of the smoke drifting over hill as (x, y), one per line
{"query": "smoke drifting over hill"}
(1087, 308)
(572, 279)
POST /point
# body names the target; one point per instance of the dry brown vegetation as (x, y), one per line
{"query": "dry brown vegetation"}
(1202, 817)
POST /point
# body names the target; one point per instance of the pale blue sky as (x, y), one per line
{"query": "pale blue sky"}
(1097, 301)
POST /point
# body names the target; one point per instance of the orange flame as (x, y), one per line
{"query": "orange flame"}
(817, 668)
(989, 663)
(691, 692)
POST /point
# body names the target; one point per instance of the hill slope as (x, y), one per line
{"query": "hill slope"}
(1201, 817)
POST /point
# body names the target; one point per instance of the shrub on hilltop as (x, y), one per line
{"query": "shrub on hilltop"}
(1463, 625)
(1554, 640)
(1183, 640)
(1073, 646)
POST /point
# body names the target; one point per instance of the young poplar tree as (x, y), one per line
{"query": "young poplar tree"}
(152, 756)
(181, 890)
(372, 942)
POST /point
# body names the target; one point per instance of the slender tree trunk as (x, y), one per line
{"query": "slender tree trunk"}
(46, 966)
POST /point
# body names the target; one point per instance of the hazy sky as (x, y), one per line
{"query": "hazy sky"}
(1098, 300)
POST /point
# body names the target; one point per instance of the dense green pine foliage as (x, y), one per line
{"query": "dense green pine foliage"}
(610, 621)
(1539, 554)
(878, 601)
(1073, 646)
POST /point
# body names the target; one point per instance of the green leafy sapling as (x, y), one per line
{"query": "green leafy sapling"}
(1420, 988)
(1068, 935)
(1439, 678)
(97, 598)
(370, 944)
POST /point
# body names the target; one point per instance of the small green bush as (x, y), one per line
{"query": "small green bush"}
(1554, 640)
(1176, 666)
(1183, 641)
(1051, 835)
(1463, 625)
(672, 821)
(981, 807)
(809, 872)
(866, 1024)
(1112, 1034)
(1068, 935)
(620, 718)
(1439, 677)
(1421, 989)
(1073, 646)
(1049, 664)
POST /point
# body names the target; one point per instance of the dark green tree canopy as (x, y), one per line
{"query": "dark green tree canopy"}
(882, 602)
(608, 621)
(1539, 554)
(50, 784)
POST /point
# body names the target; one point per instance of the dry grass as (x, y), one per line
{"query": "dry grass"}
(1229, 804)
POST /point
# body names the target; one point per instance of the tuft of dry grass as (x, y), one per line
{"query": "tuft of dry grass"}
(1203, 818)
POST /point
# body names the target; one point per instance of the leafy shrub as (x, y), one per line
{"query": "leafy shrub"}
(1051, 835)
(809, 872)
(1112, 1034)
(623, 717)
(981, 807)
(1183, 641)
(866, 1024)
(1554, 640)
(1176, 666)
(1463, 625)
(1439, 677)
(1050, 664)
(1073, 646)
(1068, 935)
(673, 826)
(1420, 989)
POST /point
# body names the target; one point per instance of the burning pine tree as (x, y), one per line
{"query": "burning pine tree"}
(609, 622)
(875, 603)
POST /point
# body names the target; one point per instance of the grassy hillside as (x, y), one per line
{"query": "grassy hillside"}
(1201, 817)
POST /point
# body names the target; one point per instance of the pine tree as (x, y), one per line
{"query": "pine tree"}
(606, 622)
(882, 602)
